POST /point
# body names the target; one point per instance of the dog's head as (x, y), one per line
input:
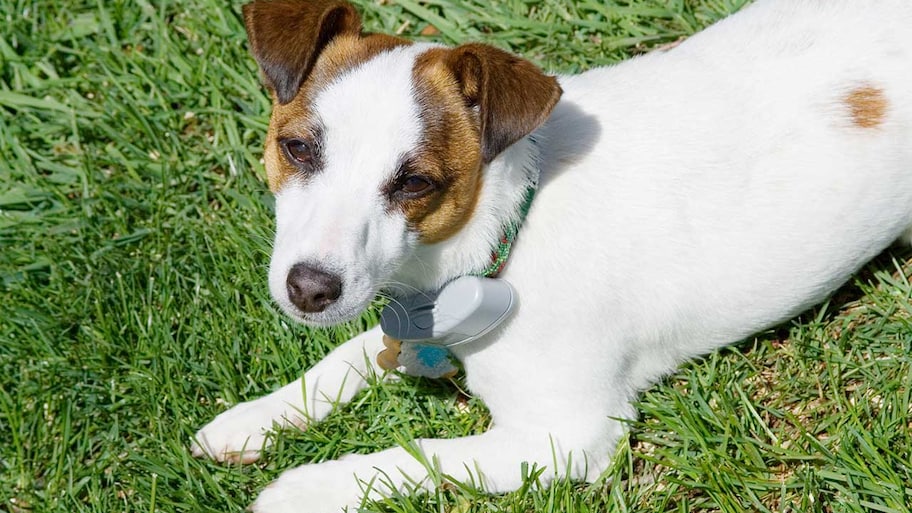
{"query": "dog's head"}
(376, 146)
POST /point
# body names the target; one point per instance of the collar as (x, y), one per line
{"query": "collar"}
(501, 253)
(437, 361)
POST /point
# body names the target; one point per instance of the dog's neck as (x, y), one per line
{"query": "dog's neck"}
(505, 185)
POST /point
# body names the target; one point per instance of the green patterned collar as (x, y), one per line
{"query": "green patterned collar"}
(501, 253)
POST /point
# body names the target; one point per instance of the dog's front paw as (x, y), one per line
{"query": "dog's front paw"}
(328, 487)
(239, 434)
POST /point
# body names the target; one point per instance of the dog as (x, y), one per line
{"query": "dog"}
(684, 200)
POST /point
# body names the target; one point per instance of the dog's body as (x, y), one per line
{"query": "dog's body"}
(687, 199)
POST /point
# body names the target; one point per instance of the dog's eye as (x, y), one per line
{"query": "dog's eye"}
(409, 183)
(414, 186)
(298, 151)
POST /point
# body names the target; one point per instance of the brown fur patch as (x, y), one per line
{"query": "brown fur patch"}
(449, 153)
(475, 100)
(513, 96)
(287, 36)
(867, 106)
(290, 119)
(295, 118)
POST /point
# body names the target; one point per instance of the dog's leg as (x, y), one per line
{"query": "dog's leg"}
(239, 434)
(492, 461)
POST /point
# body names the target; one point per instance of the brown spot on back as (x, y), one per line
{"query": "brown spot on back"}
(867, 106)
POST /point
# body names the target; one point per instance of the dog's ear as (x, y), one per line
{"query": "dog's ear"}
(287, 36)
(512, 95)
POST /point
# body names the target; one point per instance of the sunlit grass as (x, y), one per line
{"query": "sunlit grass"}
(134, 235)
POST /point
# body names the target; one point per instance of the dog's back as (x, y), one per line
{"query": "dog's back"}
(724, 186)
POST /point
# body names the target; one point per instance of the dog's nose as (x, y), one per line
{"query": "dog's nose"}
(312, 289)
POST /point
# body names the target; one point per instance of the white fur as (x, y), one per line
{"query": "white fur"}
(367, 129)
(688, 200)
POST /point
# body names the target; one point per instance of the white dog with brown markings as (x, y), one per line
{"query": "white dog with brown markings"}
(686, 199)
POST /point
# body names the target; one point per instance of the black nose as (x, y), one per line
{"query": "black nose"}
(312, 289)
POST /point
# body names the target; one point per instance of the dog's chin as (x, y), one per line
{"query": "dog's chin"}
(334, 315)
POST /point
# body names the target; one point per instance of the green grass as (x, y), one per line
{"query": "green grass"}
(134, 239)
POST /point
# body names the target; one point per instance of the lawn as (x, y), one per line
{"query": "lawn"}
(135, 231)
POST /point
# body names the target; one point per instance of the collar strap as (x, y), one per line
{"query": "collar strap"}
(501, 253)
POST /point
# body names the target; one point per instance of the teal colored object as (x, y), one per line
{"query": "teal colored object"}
(427, 360)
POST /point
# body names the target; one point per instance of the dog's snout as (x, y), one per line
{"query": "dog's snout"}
(312, 289)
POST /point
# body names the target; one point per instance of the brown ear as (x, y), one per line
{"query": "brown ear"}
(513, 96)
(287, 36)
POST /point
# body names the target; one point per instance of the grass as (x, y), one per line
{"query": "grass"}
(134, 237)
